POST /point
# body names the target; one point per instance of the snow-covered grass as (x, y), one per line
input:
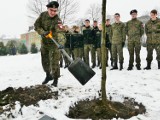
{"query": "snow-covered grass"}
(26, 70)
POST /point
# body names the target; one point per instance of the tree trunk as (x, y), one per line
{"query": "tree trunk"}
(103, 52)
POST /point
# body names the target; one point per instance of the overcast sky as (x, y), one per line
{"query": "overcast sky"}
(14, 21)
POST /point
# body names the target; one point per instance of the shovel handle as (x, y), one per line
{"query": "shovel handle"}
(62, 50)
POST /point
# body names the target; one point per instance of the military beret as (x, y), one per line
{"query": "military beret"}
(133, 11)
(52, 4)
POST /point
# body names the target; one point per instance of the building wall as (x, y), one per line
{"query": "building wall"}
(31, 37)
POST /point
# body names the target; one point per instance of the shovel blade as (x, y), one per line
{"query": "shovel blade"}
(81, 71)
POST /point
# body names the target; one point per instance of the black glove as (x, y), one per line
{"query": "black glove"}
(123, 43)
(60, 47)
(44, 34)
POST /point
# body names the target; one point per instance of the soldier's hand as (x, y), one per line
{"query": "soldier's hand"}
(60, 47)
(44, 34)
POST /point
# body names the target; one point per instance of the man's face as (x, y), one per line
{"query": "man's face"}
(87, 23)
(134, 15)
(153, 16)
(95, 24)
(107, 22)
(52, 11)
(100, 26)
(117, 18)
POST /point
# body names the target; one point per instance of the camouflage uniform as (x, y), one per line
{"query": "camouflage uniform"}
(108, 44)
(67, 47)
(152, 30)
(77, 44)
(98, 46)
(88, 44)
(118, 37)
(50, 54)
(134, 31)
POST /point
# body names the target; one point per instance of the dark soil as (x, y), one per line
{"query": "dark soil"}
(26, 96)
(96, 110)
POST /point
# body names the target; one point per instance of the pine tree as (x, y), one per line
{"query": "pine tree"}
(2, 49)
(23, 49)
(11, 47)
(34, 48)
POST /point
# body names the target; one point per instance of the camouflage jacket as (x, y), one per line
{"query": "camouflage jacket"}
(87, 35)
(45, 23)
(95, 35)
(134, 29)
(108, 33)
(118, 33)
(152, 29)
(98, 39)
(76, 40)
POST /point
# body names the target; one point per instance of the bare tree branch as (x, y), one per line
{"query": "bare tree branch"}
(67, 9)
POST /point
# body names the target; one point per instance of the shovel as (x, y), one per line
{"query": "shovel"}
(79, 69)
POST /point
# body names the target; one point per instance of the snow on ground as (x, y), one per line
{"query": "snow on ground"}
(26, 70)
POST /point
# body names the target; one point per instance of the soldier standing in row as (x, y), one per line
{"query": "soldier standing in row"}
(67, 45)
(77, 42)
(98, 36)
(95, 29)
(118, 38)
(88, 43)
(134, 31)
(50, 54)
(152, 30)
(108, 42)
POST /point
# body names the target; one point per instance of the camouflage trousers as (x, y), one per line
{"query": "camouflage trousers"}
(61, 58)
(69, 52)
(50, 61)
(99, 55)
(134, 48)
(87, 49)
(117, 51)
(150, 48)
(78, 53)
(108, 54)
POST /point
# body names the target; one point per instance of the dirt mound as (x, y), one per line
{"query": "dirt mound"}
(95, 109)
(26, 96)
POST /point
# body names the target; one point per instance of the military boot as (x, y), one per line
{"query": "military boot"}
(94, 65)
(130, 68)
(138, 67)
(121, 66)
(66, 66)
(148, 66)
(114, 66)
(158, 64)
(112, 63)
(100, 67)
(48, 78)
(55, 82)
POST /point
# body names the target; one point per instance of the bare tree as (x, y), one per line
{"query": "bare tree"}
(66, 11)
(36, 7)
(94, 12)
